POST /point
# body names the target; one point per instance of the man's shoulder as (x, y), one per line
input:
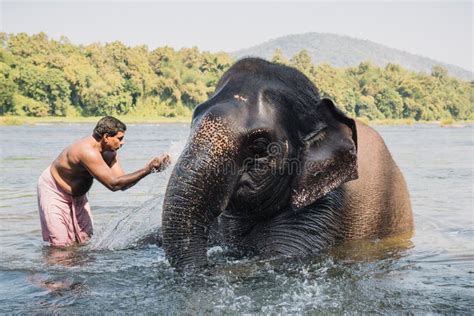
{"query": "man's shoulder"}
(83, 148)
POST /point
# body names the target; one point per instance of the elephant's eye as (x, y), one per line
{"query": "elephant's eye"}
(315, 138)
(258, 148)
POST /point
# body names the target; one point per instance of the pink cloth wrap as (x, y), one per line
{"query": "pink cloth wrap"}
(65, 219)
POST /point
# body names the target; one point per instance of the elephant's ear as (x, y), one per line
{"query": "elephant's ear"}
(328, 156)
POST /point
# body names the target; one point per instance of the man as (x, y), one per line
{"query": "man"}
(63, 206)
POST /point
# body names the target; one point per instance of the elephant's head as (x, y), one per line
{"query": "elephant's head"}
(262, 143)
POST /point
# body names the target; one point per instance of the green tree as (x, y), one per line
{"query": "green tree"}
(302, 62)
(279, 57)
(24, 105)
(45, 85)
(7, 89)
(57, 91)
(439, 71)
(366, 108)
(389, 102)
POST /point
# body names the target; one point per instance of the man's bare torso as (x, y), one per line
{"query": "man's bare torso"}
(68, 170)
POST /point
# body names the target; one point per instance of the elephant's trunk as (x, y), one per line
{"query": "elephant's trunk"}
(198, 191)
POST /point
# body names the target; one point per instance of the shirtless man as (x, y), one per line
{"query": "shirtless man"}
(63, 206)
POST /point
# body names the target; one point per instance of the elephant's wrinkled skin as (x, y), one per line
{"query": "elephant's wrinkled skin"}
(276, 170)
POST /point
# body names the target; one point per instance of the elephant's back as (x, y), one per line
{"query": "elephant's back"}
(378, 202)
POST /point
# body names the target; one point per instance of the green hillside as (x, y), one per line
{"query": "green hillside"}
(345, 51)
(43, 77)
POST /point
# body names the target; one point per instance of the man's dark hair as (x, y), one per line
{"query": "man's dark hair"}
(108, 125)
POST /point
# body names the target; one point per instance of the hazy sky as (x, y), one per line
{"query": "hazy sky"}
(439, 30)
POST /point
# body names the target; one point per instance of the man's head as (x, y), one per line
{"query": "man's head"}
(110, 131)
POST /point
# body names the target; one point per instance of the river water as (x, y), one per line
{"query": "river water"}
(432, 272)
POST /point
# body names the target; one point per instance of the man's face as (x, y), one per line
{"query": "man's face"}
(114, 142)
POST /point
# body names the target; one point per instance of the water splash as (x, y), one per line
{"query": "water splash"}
(129, 229)
(141, 224)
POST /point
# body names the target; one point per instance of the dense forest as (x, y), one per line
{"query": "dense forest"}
(45, 77)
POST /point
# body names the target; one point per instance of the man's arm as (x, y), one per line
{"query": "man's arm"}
(97, 167)
(116, 167)
(117, 170)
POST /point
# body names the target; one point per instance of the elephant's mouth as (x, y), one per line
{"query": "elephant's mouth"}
(258, 200)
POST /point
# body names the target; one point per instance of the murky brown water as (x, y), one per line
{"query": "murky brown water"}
(431, 272)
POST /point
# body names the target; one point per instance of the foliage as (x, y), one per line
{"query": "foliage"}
(7, 88)
(279, 58)
(45, 77)
(25, 105)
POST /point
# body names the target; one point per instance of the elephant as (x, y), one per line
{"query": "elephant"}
(273, 169)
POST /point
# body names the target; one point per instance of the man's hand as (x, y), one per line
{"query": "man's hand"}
(160, 163)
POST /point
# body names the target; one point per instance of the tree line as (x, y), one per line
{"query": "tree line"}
(46, 77)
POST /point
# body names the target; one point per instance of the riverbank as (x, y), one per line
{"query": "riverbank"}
(128, 119)
(442, 123)
(28, 120)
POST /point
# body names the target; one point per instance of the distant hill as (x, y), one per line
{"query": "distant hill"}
(344, 51)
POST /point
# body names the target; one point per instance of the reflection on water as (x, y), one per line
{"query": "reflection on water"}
(370, 250)
(67, 257)
(59, 287)
(122, 269)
